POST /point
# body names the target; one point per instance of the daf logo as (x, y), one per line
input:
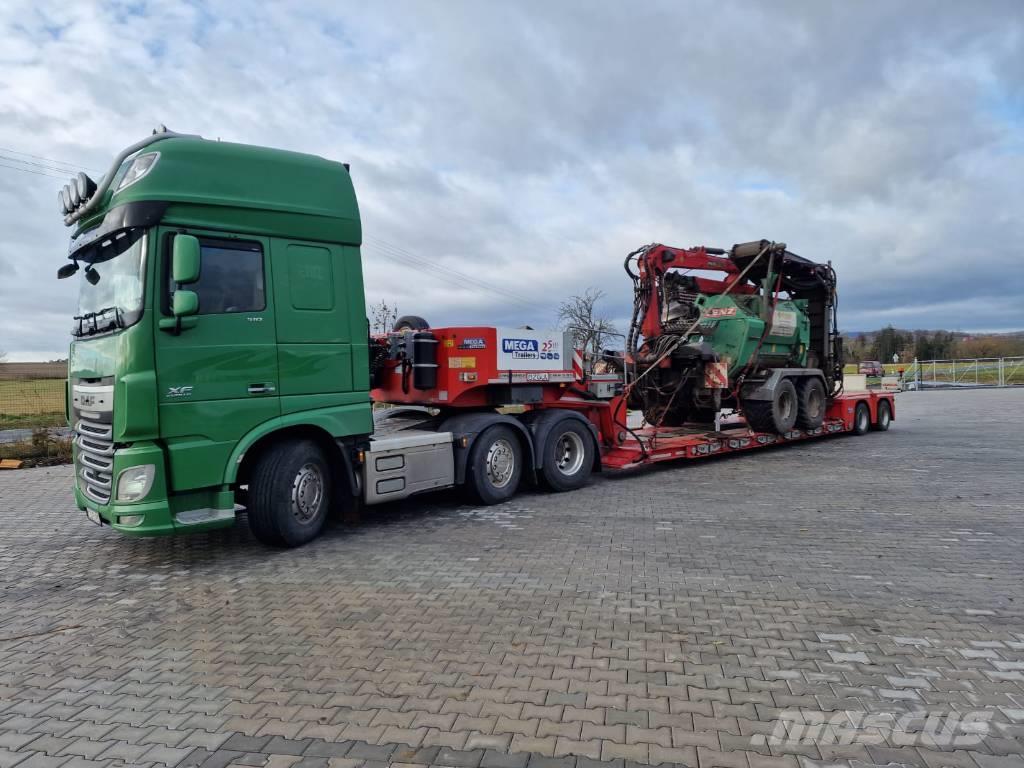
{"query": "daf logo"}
(185, 391)
(86, 400)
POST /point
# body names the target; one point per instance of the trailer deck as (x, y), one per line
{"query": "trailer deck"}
(649, 445)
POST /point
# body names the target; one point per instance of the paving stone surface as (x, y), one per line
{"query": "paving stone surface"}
(803, 606)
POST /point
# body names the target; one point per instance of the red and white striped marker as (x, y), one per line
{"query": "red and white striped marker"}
(577, 364)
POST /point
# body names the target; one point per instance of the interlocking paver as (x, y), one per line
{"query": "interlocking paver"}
(677, 616)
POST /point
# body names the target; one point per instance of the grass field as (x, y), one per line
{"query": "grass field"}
(27, 403)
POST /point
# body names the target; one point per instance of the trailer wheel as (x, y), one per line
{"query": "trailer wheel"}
(861, 419)
(775, 415)
(811, 402)
(568, 456)
(411, 323)
(884, 416)
(289, 494)
(495, 465)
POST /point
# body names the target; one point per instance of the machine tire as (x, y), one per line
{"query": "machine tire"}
(289, 494)
(811, 403)
(411, 323)
(861, 419)
(775, 415)
(884, 416)
(568, 456)
(657, 416)
(489, 458)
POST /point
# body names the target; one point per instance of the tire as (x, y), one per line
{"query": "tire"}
(775, 415)
(861, 419)
(411, 323)
(884, 416)
(657, 416)
(289, 494)
(495, 465)
(568, 456)
(810, 404)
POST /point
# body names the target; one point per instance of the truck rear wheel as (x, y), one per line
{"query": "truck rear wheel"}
(884, 416)
(775, 415)
(568, 456)
(289, 494)
(495, 465)
(811, 404)
(861, 419)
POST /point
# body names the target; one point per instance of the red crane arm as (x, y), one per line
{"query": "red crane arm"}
(659, 259)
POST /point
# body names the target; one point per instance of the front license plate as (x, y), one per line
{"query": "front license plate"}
(93, 515)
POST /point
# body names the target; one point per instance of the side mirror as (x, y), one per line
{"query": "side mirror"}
(185, 303)
(67, 270)
(185, 260)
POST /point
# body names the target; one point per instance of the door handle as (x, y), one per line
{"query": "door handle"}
(261, 389)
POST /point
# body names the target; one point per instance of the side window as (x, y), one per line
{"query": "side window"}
(230, 277)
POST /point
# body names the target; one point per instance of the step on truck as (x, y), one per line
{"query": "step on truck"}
(221, 359)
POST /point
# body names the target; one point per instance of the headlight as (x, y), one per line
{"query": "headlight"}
(139, 167)
(134, 483)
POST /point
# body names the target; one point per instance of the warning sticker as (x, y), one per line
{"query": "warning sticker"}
(783, 322)
(462, 362)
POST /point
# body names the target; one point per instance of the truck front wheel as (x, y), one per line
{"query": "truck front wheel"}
(495, 465)
(568, 456)
(289, 494)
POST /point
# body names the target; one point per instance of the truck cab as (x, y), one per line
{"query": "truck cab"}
(220, 305)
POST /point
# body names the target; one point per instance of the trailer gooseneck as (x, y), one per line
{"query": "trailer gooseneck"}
(221, 358)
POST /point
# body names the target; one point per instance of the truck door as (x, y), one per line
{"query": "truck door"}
(218, 379)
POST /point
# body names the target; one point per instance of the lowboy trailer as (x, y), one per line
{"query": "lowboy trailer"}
(221, 358)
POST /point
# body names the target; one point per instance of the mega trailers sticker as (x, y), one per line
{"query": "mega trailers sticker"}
(526, 350)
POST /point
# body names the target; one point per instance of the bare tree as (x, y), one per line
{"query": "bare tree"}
(382, 316)
(3, 356)
(579, 315)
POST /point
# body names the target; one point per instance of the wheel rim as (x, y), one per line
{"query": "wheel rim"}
(501, 463)
(863, 420)
(569, 452)
(307, 493)
(785, 407)
(883, 415)
(814, 403)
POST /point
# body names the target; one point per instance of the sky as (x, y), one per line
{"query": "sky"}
(508, 156)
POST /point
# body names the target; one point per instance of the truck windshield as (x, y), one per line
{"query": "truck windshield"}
(111, 290)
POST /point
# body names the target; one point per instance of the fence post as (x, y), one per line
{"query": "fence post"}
(1001, 384)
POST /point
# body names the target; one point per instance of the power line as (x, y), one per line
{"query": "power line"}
(450, 275)
(73, 166)
(33, 164)
(30, 170)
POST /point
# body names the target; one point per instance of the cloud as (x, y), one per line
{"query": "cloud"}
(529, 146)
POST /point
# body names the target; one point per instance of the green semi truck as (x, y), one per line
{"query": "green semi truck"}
(221, 360)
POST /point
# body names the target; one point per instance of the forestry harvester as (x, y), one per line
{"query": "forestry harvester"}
(762, 340)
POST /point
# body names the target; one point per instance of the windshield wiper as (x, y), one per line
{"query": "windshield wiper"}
(100, 321)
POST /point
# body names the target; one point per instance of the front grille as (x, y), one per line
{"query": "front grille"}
(95, 460)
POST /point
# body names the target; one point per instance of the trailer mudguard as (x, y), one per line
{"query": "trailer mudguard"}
(469, 425)
(540, 423)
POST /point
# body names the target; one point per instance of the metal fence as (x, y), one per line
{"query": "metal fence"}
(975, 372)
(31, 397)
